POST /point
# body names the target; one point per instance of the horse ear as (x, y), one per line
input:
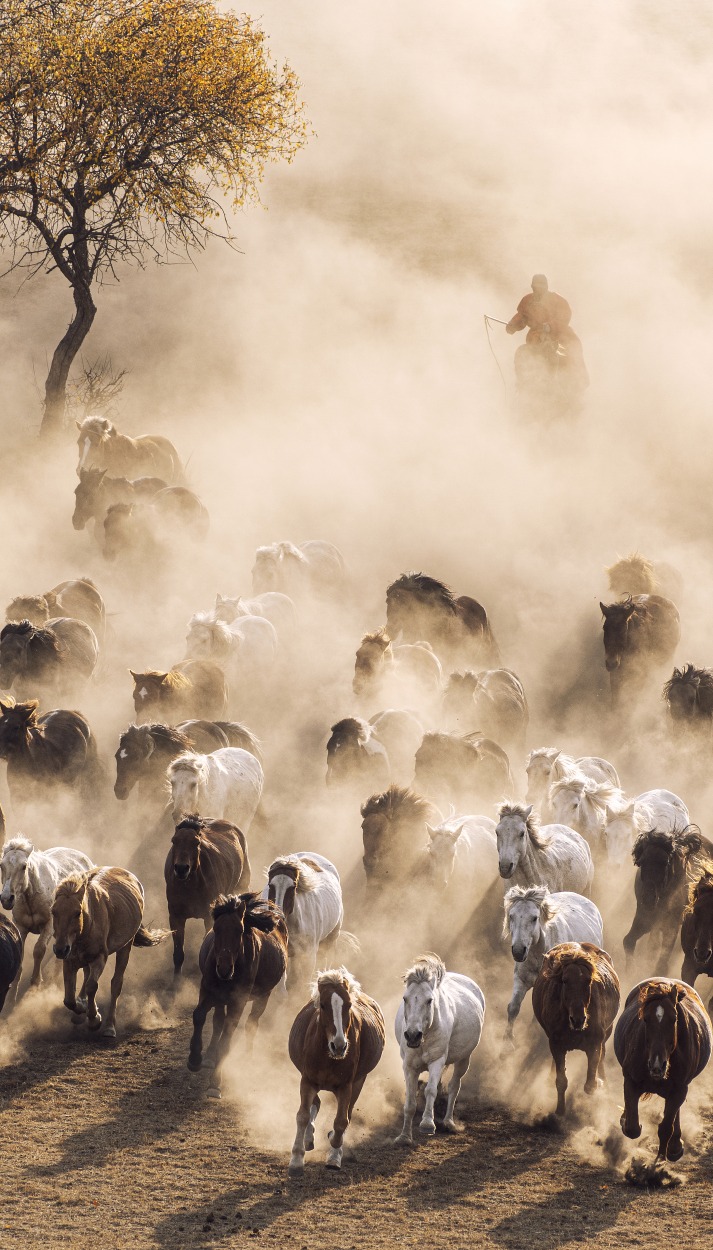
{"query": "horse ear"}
(78, 424)
(605, 610)
(136, 676)
(528, 811)
(219, 600)
(630, 609)
(430, 831)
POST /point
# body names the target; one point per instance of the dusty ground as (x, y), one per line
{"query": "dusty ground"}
(116, 1145)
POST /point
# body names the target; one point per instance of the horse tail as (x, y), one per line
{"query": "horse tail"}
(347, 944)
(150, 937)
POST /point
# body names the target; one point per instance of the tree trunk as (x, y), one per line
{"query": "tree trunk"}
(63, 358)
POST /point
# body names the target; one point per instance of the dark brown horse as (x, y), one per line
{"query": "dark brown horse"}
(96, 493)
(639, 635)
(52, 659)
(355, 756)
(697, 928)
(78, 598)
(689, 698)
(662, 1041)
(635, 575)
(466, 771)
(575, 998)
(10, 956)
(243, 958)
(57, 748)
(207, 858)
(145, 751)
(336, 1040)
(150, 524)
(394, 832)
(420, 607)
(193, 688)
(665, 863)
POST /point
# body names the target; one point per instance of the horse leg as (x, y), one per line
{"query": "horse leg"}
(309, 1099)
(640, 926)
(69, 972)
(595, 1061)
(405, 1137)
(251, 1024)
(459, 1070)
(341, 1124)
(670, 1144)
(178, 928)
(435, 1070)
(96, 968)
(559, 1055)
(16, 983)
(630, 1125)
(122, 959)
(195, 1053)
(519, 990)
(235, 1009)
(218, 1025)
(38, 954)
(689, 971)
(309, 1131)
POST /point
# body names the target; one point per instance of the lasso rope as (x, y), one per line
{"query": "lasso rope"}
(494, 321)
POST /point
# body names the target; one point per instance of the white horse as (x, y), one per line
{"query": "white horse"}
(546, 765)
(225, 785)
(582, 804)
(29, 880)
(654, 809)
(463, 854)
(247, 645)
(534, 854)
(313, 566)
(535, 921)
(308, 889)
(274, 606)
(439, 1022)
(401, 734)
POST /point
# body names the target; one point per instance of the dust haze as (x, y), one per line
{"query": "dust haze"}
(333, 380)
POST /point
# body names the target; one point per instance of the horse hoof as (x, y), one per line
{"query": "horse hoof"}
(334, 1159)
(96, 1023)
(195, 1065)
(593, 1086)
(403, 1140)
(451, 1126)
(110, 1031)
(427, 1127)
(296, 1171)
(674, 1152)
(78, 1018)
(629, 1132)
(212, 1092)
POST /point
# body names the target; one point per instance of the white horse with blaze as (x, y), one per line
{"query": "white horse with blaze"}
(439, 1022)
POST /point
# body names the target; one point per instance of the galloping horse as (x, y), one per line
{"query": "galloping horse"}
(206, 858)
(78, 598)
(689, 698)
(101, 446)
(420, 607)
(52, 659)
(57, 748)
(307, 889)
(639, 635)
(192, 688)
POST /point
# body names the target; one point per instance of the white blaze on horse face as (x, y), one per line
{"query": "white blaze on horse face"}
(122, 754)
(85, 453)
(281, 884)
(143, 693)
(339, 1040)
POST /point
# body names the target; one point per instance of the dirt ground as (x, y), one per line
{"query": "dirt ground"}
(116, 1144)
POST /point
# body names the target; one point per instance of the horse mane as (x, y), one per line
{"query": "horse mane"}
(636, 566)
(284, 548)
(379, 635)
(28, 709)
(427, 968)
(682, 841)
(335, 976)
(532, 823)
(704, 885)
(188, 762)
(568, 953)
(18, 843)
(100, 426)
(538, 894)
(602, 793)
(398, 800)
(308, 878)
(653, 989)
(421, 583)
(689, 675)
(172, 678)
(193, 821)
(77, 882)
(259, 913)
(167, 735)
(354, 725)
(39, 638)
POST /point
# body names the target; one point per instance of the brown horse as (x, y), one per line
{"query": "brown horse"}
(148, 525)
(336, 1040)
(575, 998)
(145, 751)
(53, 659)
(665, 863)
(96, 914)
(394, 832)
(635, 575)
(467, 771)
(243, 958)
(420, 607)
(101, 446)
(78, 598)
(662, 1041)
(689, 698)
(57, 748)
(10, 956)
(96, 493)
(697, 928)
(207, 858)
(191, 688)
(639, 635)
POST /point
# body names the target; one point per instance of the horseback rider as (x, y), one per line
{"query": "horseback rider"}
(547, 316)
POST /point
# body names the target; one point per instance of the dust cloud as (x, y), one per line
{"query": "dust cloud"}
(332, 379)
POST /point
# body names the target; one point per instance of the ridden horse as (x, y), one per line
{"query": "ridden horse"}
(689, 698)
(635, 575)
(394, 831)
(57, 748)
(94, 915)
(227, 784)
(307, 889)
(380, 665)
(535, 921)
(243, 958)
(663, 1041)
(419, 607)
(654, 809)
(52, 659)
(664, 863)
(314, 566)
(10, 957)
(336, 1040)
(29, 880)
(492, 703)
(576, 998)
(147, 525)
(78, 598)
(145, 751)
(97, 492)
(355, 756)
(639, 634)
(465, 771)
(439, 1022)
(192, 688)
(697, 928)
(548, 765)
(207, 858)
(101, 446)
(534, 854)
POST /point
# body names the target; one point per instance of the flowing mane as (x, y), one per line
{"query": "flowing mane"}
(165, 735)
(399, 801)
(696, 890)
(652, 990)
(568, 953)
(189, 762)
(77, 882)
(538, 894)
(601, 793)
(633, 573)
(427, 968)
(682, 842)
(426, 588)
(18, 843)
(689, 675)
(23, 605)
(38, 638)
(307, 877)
(172, 678)
(379, 635)
(339, 977)
(532, 824)
(259, 913)
(353, 727)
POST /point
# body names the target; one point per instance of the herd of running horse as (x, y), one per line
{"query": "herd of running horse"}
(436, 725)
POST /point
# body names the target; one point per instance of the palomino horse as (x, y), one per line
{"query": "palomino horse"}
(575, 998)
(689, 698)
(10, 957)
(663, 1041)
(101, 446)
(96, 914)
(78, 598)
(439, 1021)
(665, 864)
(242, 959)
(639, 635)
(57, 748)
(207, 858)
(535, 921)
(52, 659)
(29, 880)
(226, 784)
(534, 854)
(336, 1040)
(307, 889)
(192, 688)
(97, 492)
(420, 607)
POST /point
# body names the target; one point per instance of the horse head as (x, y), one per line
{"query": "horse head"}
(228, 929)
(186, 843)
(136, 746)
(85, 496)
(419, 1002)
(616, 628)
(658, 1012)
(512, 833)
(334, 994)
(68, 913)
(13, 870)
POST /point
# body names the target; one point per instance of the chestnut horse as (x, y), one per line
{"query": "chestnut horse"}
(662, 1040)
(336, 1040)
(575, 998)
(191, 688)
(243, 958)
(96, 914)
(207, 858)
